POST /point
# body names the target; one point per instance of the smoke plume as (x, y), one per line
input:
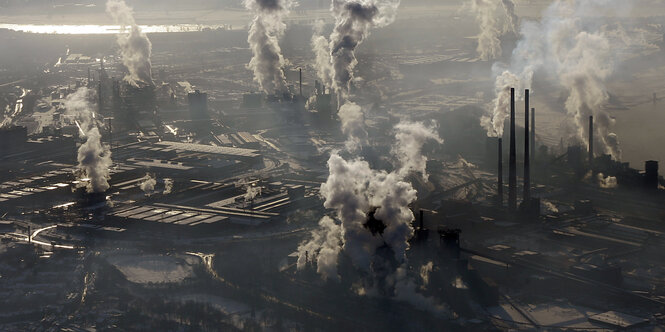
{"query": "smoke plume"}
(511, 17)
(325, 246)
(94, 158)
(372, 219)
(489, 45)
(606, 182)
(251, 189)
(353, 21)
(485, 11)
(425, 271)
(251, 193)
(410, 139)
(356, 193)
(168, 186)
(567, 47)
(94, 162)
(500, 111)
(582, 60)
(264, 33)
(148, 184)
(135, 47)
(352, 119)
(321, 48)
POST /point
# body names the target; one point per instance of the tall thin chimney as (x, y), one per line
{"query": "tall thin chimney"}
(500, 171)
(527, 161)
(300, 82)
(100, 97)
(591, 142)
(533, 134)
(110, 133)
(512, 167)
(422, 219)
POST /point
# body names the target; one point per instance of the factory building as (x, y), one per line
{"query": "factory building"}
(198, 105)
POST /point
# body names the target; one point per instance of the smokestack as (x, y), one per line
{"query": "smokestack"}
(300, 82)
(500, 171)
(422, 219)
(512, 167)
(110, 133)
(100, 98)
(527, 161)
(591, 142)
(533, 134)
(651, 174)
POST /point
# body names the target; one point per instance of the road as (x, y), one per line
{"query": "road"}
(31, 238)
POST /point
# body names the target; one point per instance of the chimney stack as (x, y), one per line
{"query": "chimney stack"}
(300, 82)
(512, 167)
(651, 174)
(422, 219)
(527, 161)
(533, 134)
(500, 171)
(100, 97)
(591, 142)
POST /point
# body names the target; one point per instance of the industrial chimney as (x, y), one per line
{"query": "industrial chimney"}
(651, 174)
(500, 171)
(527, 161)
(533, 134)
(300, 82)
(512, 167)
(591, 142)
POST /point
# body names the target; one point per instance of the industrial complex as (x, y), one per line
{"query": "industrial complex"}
(364, 165)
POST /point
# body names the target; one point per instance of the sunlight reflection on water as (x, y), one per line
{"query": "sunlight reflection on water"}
(105, 29)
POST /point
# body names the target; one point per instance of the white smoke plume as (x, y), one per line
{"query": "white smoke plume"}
(325, 246)
(321, 48)
(78, 106)
(494, 121)
(251, 189)
(353, 21)
(425, 271)
(94, 158)
(168, 186)
(577, 54)
(584, 71)
(352, 120)
(252, 192)
(583, 62)
(372, 219)
(264, 33)
(354, 191)
(489, 44)
(606, 182)
(489, 22)
(410, 139)
(148, 184)
(135, 47)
